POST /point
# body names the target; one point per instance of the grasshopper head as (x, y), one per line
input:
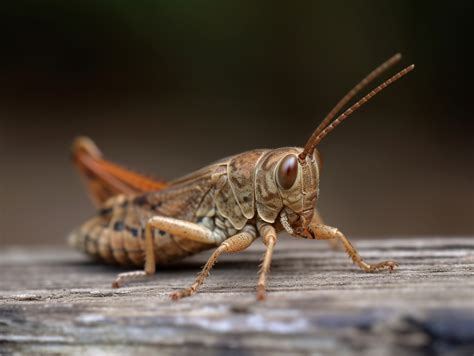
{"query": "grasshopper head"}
(287, 186)
(298, 184)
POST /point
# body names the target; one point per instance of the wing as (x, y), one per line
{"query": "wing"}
(105, 179)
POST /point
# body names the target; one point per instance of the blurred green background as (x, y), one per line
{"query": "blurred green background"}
(166, 87)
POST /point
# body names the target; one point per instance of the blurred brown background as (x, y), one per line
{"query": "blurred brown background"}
(166, 87)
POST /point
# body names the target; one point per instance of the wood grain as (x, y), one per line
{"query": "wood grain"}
(54, 300)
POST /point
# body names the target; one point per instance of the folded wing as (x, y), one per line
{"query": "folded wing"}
(105, 179)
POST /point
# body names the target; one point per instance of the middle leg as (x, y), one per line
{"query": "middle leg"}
(235, 243)
(269, 237)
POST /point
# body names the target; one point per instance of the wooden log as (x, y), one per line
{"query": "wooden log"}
(54, 300)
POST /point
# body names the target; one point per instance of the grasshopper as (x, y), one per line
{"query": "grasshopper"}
(226, 205)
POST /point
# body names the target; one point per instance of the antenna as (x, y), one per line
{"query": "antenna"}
(369, 78)
(317, 137)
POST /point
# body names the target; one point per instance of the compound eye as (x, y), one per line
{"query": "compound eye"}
(287, 171)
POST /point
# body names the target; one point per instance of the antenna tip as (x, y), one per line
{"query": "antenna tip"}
(397, 56)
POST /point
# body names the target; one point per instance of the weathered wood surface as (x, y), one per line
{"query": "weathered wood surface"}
(53, 300)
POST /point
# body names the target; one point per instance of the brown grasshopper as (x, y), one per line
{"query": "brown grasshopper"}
(226, 205)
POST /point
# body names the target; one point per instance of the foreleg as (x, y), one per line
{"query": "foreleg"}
(324, 232)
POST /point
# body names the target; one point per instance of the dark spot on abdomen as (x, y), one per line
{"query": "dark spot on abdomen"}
(118, 226)
(105, 211)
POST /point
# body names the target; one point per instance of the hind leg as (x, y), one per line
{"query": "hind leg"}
(150, 268)
(181, 228)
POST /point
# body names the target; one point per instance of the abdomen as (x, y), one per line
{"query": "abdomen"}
(117, 236)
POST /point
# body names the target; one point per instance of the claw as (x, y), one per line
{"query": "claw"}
(175, 296)
(391, 265)
(261, 293)
(116, 284)
(183, 293)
